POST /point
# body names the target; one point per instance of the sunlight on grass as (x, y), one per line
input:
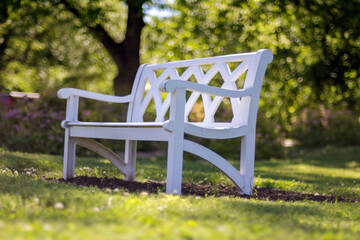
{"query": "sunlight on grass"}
(325, 171)
(31, 208)
(60, 211)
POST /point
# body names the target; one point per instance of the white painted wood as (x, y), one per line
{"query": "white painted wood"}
(219, 162)
(254, 79)
(121, 133)
(247, 160)
(176, 141)
(213, 132)
(69, 156)
(130, 160)
(68, 92)
(137, 92)
(116, 124)
(72, 107)
(103, 151)
(167, 90)
(172, 85)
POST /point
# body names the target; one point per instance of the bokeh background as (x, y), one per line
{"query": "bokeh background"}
(310, 95)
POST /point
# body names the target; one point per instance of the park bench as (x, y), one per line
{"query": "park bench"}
(172, 90)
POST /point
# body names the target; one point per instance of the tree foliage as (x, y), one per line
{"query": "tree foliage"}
(315, 44)
(82, 44)
(116, 24)
(125, 52)
(45, 47)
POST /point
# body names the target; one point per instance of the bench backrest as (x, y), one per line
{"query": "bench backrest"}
(237, 71)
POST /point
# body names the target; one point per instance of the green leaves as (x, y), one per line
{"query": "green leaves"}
(43, 51)
(315, 46)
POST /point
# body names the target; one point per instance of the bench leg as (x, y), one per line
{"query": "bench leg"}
(130, 160)
(69, 156)
(174, 165)
(176, 143)
(247, 161)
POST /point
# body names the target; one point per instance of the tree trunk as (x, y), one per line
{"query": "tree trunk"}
(126, 53)
(127, 58)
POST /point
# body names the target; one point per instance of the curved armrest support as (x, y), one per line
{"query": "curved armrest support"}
(68, 92)
(172, 85)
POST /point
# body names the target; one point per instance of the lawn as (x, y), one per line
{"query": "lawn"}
(33, 208)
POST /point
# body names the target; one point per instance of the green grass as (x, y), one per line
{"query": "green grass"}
(31, 208)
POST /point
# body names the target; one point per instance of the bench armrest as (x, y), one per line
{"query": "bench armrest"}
(68, 92)
(172, 85)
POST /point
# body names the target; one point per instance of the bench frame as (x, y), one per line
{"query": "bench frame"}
(244, 103)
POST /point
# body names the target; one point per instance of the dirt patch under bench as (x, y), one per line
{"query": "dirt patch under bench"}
(201, 190)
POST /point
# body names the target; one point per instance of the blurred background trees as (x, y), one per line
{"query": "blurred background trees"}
(315, 44)
(45, 47)
(312, 86)
(124, 46)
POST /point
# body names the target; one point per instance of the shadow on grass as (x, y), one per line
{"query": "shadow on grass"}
(332, 163)
(20, 161)
(26, 187)
(329, 157)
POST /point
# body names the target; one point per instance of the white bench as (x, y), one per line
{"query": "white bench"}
(175, 88)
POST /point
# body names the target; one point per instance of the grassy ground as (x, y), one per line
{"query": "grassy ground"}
(31, 208)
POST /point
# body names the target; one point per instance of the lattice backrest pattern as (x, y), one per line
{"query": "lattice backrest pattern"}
(193, 70)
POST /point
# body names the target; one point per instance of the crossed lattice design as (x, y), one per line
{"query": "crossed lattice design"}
(210, 104)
